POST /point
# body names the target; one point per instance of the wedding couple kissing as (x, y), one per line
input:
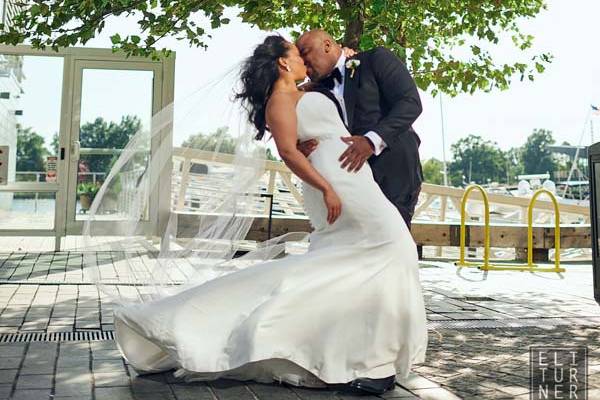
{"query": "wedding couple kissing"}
(349, 313)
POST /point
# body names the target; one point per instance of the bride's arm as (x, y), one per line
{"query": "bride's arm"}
(281, 119)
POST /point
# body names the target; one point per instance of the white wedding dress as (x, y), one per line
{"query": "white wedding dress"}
(352, 306)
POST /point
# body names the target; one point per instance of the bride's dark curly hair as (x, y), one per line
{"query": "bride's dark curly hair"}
(259, 73)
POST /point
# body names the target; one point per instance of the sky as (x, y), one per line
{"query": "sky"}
(558, 100)
(108, 94)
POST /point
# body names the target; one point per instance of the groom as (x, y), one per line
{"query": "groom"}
(379, 103)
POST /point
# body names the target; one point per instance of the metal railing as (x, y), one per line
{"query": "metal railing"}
(435, 203)
(39, 174)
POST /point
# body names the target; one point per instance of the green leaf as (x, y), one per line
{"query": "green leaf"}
(426, 35)
(35, 10)
(540, 67)
(115, 39)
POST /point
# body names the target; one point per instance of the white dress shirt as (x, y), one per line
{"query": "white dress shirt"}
(338, 92)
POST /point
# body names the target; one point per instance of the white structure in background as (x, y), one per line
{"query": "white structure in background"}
(523, 188)
(534, 180)
(11, 76)
(549, 186)
(528, 184)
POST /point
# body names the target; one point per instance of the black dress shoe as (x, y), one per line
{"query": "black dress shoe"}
(374, 386)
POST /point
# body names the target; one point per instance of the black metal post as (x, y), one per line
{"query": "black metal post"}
(594, 177)
(270, 196)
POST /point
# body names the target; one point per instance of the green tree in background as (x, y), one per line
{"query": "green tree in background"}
(537, 157)
(428, 35)
(31, 153)
(101, 134)
(564, 162)
(54, 144)
(218, 139)
(477, 160)
(433, 171)
(271, 157)
(514, 164)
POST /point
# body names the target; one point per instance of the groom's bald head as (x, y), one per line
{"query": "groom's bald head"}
(319, 51)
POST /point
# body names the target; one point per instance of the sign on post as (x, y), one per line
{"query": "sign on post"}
(51, 168)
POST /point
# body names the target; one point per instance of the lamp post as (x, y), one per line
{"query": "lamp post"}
(594, 177)
(443, 143)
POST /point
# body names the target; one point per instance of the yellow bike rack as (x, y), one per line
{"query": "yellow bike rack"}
(530, 266)
(463, 228)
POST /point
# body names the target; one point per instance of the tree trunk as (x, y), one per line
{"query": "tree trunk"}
(354, 30)
(352, 11)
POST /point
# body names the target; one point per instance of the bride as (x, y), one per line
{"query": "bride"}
(348, 311)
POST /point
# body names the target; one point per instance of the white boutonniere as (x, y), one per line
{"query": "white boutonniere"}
(352, 65)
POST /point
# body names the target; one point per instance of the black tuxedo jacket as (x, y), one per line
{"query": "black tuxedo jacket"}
(382, 97)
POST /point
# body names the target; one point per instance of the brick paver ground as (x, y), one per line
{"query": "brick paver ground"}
(481, 326)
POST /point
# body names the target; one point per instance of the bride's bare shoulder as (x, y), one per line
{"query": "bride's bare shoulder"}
(280, 111)
(282, 102)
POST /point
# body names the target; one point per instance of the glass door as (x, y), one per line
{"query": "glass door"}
(112, 100)
(31, 175)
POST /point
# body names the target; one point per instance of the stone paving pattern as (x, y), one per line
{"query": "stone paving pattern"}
(467, 364)
(48, 293)
(86, 370)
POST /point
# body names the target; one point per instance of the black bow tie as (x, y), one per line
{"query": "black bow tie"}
(329, 82)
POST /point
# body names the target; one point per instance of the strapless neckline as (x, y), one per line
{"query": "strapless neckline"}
(303, 96)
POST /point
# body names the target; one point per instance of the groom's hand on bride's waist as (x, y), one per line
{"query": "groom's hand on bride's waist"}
(359, 150)
(307, 147)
